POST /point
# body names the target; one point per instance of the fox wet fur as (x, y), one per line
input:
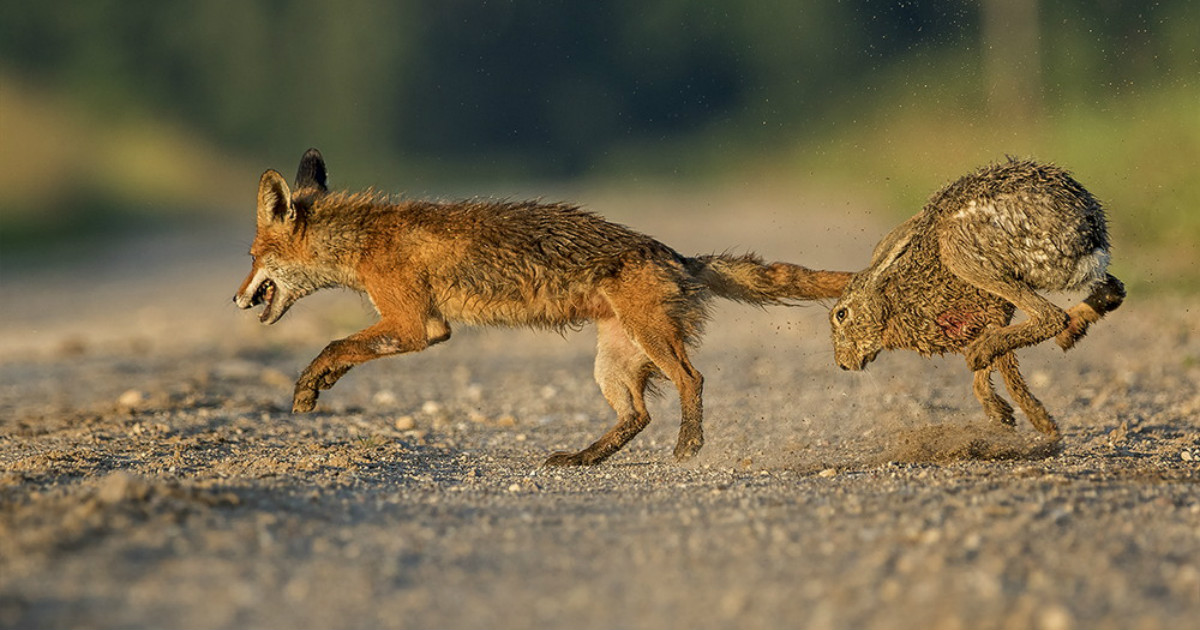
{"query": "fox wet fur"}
(426, 264)
(950, 278)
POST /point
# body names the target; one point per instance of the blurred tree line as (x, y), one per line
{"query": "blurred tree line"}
(553, 88)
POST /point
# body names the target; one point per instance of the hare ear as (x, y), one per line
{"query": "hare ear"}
(312, 171)
(274, 199)
(888, 252)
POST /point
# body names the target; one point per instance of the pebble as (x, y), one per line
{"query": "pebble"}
(828, 472)
(431, 407)
(384, 398)
(1186, 456)
(1055, 617)
(131, 398)
(405, 423)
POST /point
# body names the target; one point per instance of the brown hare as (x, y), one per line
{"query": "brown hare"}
(950, 278)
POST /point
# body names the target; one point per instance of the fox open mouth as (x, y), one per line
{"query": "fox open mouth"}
(264, 295)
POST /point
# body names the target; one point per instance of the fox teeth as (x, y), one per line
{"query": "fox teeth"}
(265, 292)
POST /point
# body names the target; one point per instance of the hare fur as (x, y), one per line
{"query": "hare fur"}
(950, 278)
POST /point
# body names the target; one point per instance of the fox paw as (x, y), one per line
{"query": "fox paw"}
(690, 442)
(567, 458)
(304, 400)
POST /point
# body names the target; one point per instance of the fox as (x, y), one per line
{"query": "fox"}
(427, 264)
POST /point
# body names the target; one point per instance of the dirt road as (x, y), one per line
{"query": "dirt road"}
(150, 475)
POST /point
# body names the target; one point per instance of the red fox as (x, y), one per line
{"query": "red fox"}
(424, 264)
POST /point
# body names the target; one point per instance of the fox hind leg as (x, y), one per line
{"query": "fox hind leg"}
(622, 371)
(661, 337)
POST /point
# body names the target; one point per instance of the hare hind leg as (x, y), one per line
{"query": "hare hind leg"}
(622, 371)
(1045, 318)
(1105, 297)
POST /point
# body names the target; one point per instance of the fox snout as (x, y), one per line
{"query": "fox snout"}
(257, 289)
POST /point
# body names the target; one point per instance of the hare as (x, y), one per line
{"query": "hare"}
(949, 279)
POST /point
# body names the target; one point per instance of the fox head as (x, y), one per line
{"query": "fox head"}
(282, 263)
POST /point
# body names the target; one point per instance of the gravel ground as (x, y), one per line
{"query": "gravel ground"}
(151, 476)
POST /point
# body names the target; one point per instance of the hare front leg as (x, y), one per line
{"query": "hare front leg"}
(1033, 408)
(994, 406)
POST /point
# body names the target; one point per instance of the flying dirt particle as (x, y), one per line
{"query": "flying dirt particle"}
(943, 443)
(72, 347)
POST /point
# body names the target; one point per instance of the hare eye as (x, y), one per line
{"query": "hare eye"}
(840, 315)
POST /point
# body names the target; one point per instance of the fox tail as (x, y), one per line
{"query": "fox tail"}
(746, 278)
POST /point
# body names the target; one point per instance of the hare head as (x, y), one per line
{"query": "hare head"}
(860, 316)
(858, 320)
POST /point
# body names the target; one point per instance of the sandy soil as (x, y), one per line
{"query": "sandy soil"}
(151, 476)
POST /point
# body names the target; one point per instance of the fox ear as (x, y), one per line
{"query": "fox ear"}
(274, 199)
(312, 171)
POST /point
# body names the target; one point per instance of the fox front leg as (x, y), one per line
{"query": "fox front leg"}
(324, 371)
(383, 339)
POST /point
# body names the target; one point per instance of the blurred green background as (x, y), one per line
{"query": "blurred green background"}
(121, 114)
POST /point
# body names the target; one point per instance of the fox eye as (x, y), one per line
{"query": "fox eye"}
(840, 315)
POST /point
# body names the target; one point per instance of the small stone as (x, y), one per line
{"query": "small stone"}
(131, 398)
(1055, 617)
(384, 398)
(431, 407)
(828, 472)
(516, 487)
(405, 423)
(507, 420)
(1186, 456)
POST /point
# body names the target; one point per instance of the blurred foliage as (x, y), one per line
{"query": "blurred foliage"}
(547, 86)
(117, 98)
